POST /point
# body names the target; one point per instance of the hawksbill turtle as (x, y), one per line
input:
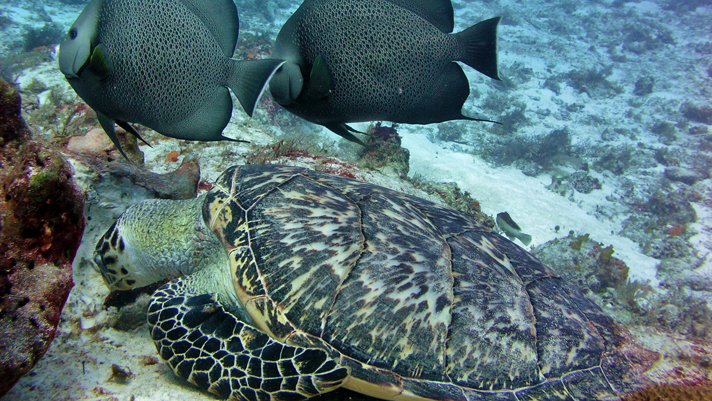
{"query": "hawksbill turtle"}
(292, 283)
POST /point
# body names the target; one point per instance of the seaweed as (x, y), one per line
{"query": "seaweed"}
(629, 292)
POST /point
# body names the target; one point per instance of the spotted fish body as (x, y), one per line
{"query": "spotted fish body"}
(397, 297)
(165, 64)
(367, 60)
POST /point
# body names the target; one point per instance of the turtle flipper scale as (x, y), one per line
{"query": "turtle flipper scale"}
(208, 346)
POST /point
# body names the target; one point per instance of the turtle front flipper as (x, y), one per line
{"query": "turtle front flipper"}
(208, 346)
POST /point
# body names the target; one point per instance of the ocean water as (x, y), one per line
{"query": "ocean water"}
(606, 141)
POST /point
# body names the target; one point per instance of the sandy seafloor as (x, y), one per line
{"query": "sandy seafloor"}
(538, 40)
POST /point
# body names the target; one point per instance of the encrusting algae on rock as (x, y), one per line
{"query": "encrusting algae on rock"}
(41, 208)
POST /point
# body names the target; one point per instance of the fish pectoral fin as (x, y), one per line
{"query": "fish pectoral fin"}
(128, 128)
(108, 125)
(320, 82)
(99, 63)
(345, 132)
(287, 83)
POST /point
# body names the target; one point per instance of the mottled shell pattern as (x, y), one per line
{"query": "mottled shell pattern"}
(409, 295)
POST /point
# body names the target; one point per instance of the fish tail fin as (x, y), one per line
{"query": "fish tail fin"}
(525, 238)
(478, 45)
(249, 79)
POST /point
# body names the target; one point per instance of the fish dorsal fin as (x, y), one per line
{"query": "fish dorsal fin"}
(508, 219)
(437, 12)
(320, 81)
(220, 17)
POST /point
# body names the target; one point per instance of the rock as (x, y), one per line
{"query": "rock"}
(683, 175)
(94, 141)
(41, 212)
(179, 184)
(644, 86)
(97, 143)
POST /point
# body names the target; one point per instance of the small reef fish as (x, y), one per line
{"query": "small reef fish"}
(511, 229)
(372, 60)
(164, 64)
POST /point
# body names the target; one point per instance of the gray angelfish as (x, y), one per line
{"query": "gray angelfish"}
(511, 229)
(165, 64)
(372, 60)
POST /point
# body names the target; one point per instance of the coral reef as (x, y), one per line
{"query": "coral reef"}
(41, 208)
(583, 262)
(455, 198)
(384, 151)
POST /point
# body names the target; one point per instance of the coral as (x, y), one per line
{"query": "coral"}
(644, 86)
(583, 262)
(665, 130)
(616, 159)
(532, 154)
(455, 198)
(5, 21)
(384, 151)
(702, 114)
(41, 211)
(15, 61)
(640, 38)
(35, 86)
(584, 183)
(450, 131)
(179, 184)
(594, 82)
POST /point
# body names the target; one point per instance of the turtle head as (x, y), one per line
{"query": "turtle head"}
(156, 240)
(114, 259)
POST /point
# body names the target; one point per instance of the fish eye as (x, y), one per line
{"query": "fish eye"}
(73, 33)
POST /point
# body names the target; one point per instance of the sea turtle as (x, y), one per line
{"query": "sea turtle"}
(292, 283)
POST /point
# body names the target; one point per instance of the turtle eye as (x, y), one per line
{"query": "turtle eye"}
(73, 33)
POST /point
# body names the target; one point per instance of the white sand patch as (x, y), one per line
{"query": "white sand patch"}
(536, 209)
